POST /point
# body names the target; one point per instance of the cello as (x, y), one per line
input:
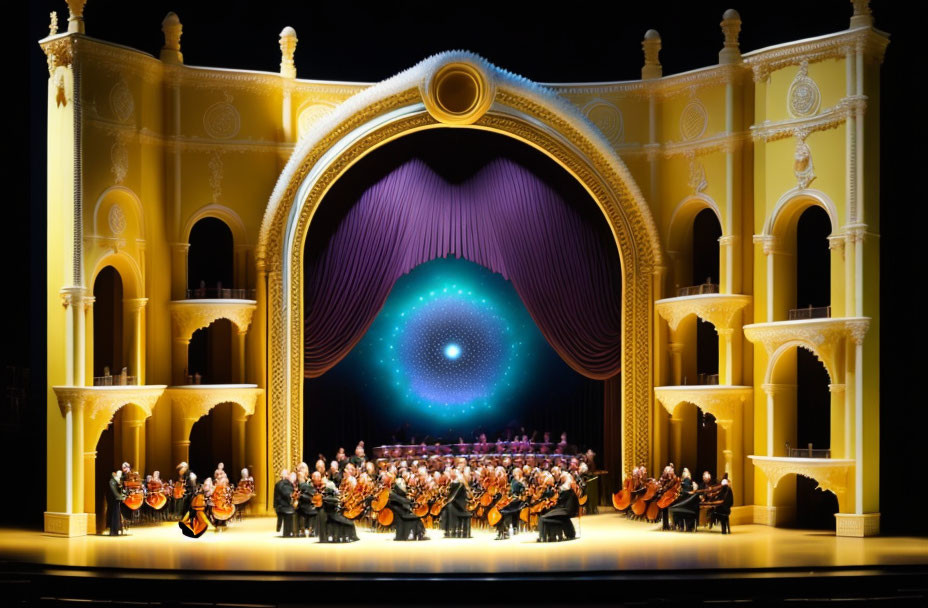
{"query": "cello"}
(135, 494)
(194, 523)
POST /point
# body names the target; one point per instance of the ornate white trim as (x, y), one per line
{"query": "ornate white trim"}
(195, 401)
(724, 402)
(832, 474)
(829, 118)
(98, 404)
(787, 199)
(187, 316)
(717, 308)
(870, 41)
(825, 338)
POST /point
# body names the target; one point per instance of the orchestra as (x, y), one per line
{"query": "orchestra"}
(408, 490)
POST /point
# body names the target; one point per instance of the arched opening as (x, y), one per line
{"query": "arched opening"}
(108, 338)
(212, 442)
(813, 264)
(802, 429)
(210, 260)
(705, 261)
(210, 354)
(122, 440)
(464, 162)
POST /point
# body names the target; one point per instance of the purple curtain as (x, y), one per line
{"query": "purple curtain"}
(563, 265)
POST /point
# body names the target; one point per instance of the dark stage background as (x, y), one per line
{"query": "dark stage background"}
(349, 41)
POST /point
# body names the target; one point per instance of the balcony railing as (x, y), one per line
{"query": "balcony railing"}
(221, 293)
(820, 312)
(807, 452)
(705, 379)
(117, 380)
(696, 290)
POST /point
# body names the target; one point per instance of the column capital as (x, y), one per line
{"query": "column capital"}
(773, 389)
(768, 241)
(181, 247)
(836, 388)
(135, 303)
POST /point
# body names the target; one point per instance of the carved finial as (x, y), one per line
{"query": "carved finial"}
(172, 28)
(76, 16)
(731, 27)
(53, 23)
(288, 42)
(862, 15)
(652, 48)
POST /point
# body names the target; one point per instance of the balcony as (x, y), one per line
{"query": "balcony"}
(832, 474)
(187, 316)
(698, 290)
(820, 312)
(722, 310)
(725, 403)
(825, 337)
(219, 293)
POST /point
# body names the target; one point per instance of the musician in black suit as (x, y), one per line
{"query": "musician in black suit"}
(114, 498)
(408, 525)
(685, 509)
(283, 504)
(510, 513)
(555, 525)
(455, 518)
(306, 512)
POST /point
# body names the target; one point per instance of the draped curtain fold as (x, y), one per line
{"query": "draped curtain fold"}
(563, 265)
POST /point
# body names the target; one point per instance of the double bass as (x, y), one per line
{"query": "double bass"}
(156, 498)
(222, 505)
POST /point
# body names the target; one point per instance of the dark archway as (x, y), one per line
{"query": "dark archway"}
(813, 259)
(210, 353)
(108, 323)
(211, 260)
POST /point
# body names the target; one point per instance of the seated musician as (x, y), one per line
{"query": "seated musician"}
(555, 525)
(283, 505)
(333, 526)
(455, 518)
(509, 524)
(114, 497)
(685, 509)
(408, 525)
(306, 511)
(335, 473)
(358, 459)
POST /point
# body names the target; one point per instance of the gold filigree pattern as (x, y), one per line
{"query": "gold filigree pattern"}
(537, 125)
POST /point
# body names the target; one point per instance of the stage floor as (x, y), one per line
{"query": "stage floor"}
(607, 542)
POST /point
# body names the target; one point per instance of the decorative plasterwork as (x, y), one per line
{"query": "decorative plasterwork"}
(829, 118)
(187, 316)
(832, 474)
(195, 401)
(717, 308)
(825, 338)
(803, 168)
(804, 97)
(659, 88)
(607, 116)
(867, 40)
(222, 120)
(723, 402)
(98, 404)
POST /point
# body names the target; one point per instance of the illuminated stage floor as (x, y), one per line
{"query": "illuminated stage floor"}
(608, 542)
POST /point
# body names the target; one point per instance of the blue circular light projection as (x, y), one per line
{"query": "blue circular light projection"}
(452, 339)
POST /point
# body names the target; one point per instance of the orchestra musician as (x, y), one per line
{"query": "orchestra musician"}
(408, 525)
(306, 510)
(685, 509)
(114, 498)
(455, 518)
(509, 524)
(283, 505)
(333, 526)
(555, 525)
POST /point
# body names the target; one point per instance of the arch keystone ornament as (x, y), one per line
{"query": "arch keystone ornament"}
(451, 89)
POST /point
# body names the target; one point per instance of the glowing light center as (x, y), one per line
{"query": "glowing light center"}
(452, 351)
